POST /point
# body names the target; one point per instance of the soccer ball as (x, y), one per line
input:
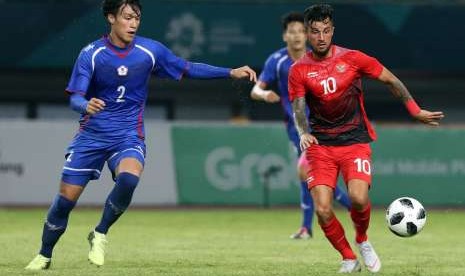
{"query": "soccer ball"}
(405, 217)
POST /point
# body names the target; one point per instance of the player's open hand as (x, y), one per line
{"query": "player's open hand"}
(429, 118)
(244, 72)
(94, 106)
(306, 140)
(271, 97)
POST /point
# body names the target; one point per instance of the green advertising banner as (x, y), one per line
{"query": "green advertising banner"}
(254, 165)
(234, 165)
(424, 163)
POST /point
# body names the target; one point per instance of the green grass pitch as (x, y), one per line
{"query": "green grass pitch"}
(226, 242)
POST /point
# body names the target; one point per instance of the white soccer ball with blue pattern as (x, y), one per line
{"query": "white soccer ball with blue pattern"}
(405, 217)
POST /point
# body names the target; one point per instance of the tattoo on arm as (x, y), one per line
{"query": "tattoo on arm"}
(300, 117)
(399, 90)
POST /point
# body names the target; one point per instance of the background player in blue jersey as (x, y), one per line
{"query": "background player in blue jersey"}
(108, 86)
(275, 72)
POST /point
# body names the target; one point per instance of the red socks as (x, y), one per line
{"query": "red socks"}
(361, 221)
(335, 233)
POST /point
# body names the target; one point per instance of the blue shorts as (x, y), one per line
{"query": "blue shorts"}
(86, 157)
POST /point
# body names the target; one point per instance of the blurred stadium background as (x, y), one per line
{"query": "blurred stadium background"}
(210, 145)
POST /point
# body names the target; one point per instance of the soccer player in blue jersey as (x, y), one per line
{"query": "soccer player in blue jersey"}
(275, 72)
(108, 86)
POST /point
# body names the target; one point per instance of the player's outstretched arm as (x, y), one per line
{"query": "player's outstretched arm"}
(196, 70)
(244, 72)
(399, 90)
(301, 123)
(260, 93)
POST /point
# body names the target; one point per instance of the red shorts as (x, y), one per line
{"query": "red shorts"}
(325, 163)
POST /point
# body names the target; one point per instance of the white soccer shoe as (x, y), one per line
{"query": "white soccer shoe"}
(349, 266)
(97, 243)
(39, 263)
(370, 258)
(301, 234)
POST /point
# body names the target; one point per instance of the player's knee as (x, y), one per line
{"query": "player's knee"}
(324, 212)
(359, 201)
(61, 206)
(127, 181)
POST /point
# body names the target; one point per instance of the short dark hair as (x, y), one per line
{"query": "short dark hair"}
(113, 6)
(291, 17)
(318, 12)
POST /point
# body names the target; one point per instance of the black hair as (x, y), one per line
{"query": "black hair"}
(291, 17)
(318, 12)
(113, 6)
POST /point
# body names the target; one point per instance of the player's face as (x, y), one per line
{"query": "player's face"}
(320, 36)
(294, 36)
(124, 26)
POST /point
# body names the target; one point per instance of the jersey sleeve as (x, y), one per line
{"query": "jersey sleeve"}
(81, 75)
(167, 64)
(367, 65)
(268, 74)
(296, 83)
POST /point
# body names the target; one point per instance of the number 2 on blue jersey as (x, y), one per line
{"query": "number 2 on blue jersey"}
(121, 90)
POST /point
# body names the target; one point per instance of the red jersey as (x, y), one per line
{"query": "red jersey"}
(332, 88)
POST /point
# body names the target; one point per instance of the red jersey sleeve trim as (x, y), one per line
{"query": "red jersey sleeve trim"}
(186, 68)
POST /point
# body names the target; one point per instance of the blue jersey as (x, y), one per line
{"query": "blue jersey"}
(120, 78)
(276, 71)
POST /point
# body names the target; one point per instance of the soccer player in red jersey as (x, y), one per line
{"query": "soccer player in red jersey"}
(328, 80)
(276, 72)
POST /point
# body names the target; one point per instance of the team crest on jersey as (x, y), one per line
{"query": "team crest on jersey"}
(341, 68)
(122, 71)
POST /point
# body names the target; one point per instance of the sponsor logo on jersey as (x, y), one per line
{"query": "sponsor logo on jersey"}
(89, 47)
(312, 74)
(277, 55)
(122, 71)
(341, 68)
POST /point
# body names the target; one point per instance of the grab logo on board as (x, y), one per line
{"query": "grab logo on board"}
(11, 168)
(226, 170)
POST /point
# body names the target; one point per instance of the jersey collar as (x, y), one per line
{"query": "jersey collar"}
(120, 52)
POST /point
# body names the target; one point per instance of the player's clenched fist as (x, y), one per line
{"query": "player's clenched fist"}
(95, 106)
(244, 72)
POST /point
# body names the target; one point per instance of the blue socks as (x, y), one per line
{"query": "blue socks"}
(306, 203)
(342, 197)
(118, 200)
(55, 225)
(57, 218)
